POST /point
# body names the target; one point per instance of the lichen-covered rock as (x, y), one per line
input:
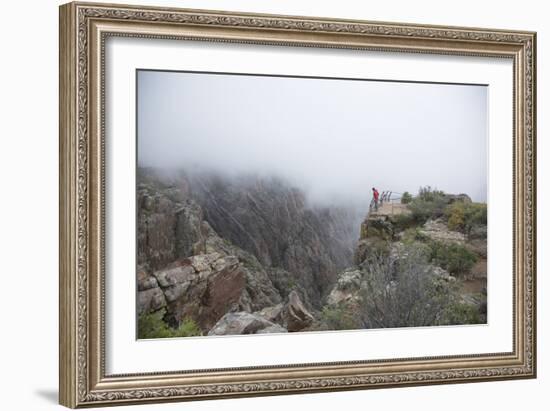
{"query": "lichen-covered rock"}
(145, 281)
(437, 230)
(203, 262)
(150, 300)
(244, 323)
(173, 276)
(442, 273)
(346, 288)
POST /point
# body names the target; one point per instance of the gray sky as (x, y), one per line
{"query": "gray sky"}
(333, 138)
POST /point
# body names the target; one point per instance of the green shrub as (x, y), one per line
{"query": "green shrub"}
(412, 235)
(339, 318)
(454, 258)
(476, 215)
(429, 194)
(379, 246)
(466, 217)
(406, 198)
(370, 248)
(403, 221)
(153, 326)
(381, 229)
(429, 204)
(456, 217)
(460, 313)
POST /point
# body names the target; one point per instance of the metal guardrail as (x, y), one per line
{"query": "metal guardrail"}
(386, 197)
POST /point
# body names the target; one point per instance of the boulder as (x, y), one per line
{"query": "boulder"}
(243, 323)
(296, 317)
(176, 291)
(273, 313)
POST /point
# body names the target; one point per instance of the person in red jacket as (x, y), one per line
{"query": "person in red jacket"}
(375, 196)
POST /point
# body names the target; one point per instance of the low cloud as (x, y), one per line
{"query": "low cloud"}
(335, 139)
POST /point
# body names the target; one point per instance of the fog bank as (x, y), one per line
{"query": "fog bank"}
(335, 139)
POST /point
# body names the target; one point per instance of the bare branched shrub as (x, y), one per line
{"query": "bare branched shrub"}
(404, 291)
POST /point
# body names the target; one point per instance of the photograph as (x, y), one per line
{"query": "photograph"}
(291, 204)
(266, 202)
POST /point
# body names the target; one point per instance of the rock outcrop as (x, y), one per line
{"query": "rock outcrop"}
(437, 230)
(186, 268)
(202, 288)
(389, 242)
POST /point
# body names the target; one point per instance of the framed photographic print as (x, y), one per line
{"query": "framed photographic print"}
(259, 204)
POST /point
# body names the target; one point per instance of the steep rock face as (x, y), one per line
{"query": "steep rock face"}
(210, 247)
(259, 290)
(168, 221)
(272, 221)
(155, 223)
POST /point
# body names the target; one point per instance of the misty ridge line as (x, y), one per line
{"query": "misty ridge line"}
(250, 179)
(357, 206)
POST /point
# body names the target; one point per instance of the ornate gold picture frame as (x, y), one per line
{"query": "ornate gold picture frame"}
(84, 30)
